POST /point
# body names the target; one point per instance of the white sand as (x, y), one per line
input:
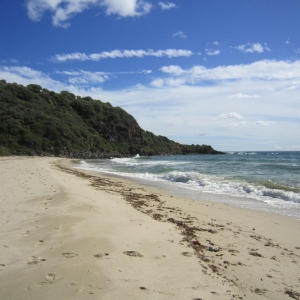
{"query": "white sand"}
(62, 238)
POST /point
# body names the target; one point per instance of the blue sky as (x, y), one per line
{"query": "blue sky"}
(219, 72)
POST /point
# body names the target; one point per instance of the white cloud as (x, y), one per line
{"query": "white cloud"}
(292, 87)
(232, 115)
(146, 71)
(175, 70)
(243, 96)
(263, 123)
(212, 52)
(127, 8)
(216, 43)
(297, 51)
(12, 61)
(252, 48)
(84, 77)
(263, 70)
(63, 10)
(87, 78)
(167, 5)
(25, 75)
(121, 54)
(180, 34)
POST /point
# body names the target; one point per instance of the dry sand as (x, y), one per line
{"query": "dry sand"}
(66, 234)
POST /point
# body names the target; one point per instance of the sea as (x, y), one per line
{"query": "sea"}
(264, 181)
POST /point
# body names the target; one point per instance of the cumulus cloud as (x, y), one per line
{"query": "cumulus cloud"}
(212, 52)
(121, 54)
(252, 48)
(180, 34)
(127, 8)
(243, 96)
(232, 115)
(63, 10)
(167, 5)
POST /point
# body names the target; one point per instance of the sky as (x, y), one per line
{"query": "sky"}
(224, 73)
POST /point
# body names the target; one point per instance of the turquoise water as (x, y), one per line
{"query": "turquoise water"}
(269, 177)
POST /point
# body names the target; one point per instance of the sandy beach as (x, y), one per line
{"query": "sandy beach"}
(72, 234)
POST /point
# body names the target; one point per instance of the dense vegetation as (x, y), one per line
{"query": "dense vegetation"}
(36, 121)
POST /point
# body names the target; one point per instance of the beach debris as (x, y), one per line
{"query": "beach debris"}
(157, 217)
(214, 268)
(293, 294)
(214, 249)
(255, 254)
(260, 291)
(256, 237)
(267, 244)
(187, 254)
(133, 253)
(142, 288)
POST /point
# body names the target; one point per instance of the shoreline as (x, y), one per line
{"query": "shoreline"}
(278, 207)
(134, 241)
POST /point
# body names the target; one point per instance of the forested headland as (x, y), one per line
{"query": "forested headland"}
(36, 121)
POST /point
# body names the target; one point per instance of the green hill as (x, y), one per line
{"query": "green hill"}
(36, 121)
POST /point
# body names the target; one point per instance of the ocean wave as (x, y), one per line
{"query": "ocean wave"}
(233, 187)
(269, 179)
(141, 161)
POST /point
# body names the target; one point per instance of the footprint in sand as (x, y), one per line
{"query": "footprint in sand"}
(40, 242)
(159, 257)
(133, 253)
(102, 255)
(69, 254)
(33, 260)
(50, 278)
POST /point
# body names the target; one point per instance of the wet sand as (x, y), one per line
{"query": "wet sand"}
(72, 234)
